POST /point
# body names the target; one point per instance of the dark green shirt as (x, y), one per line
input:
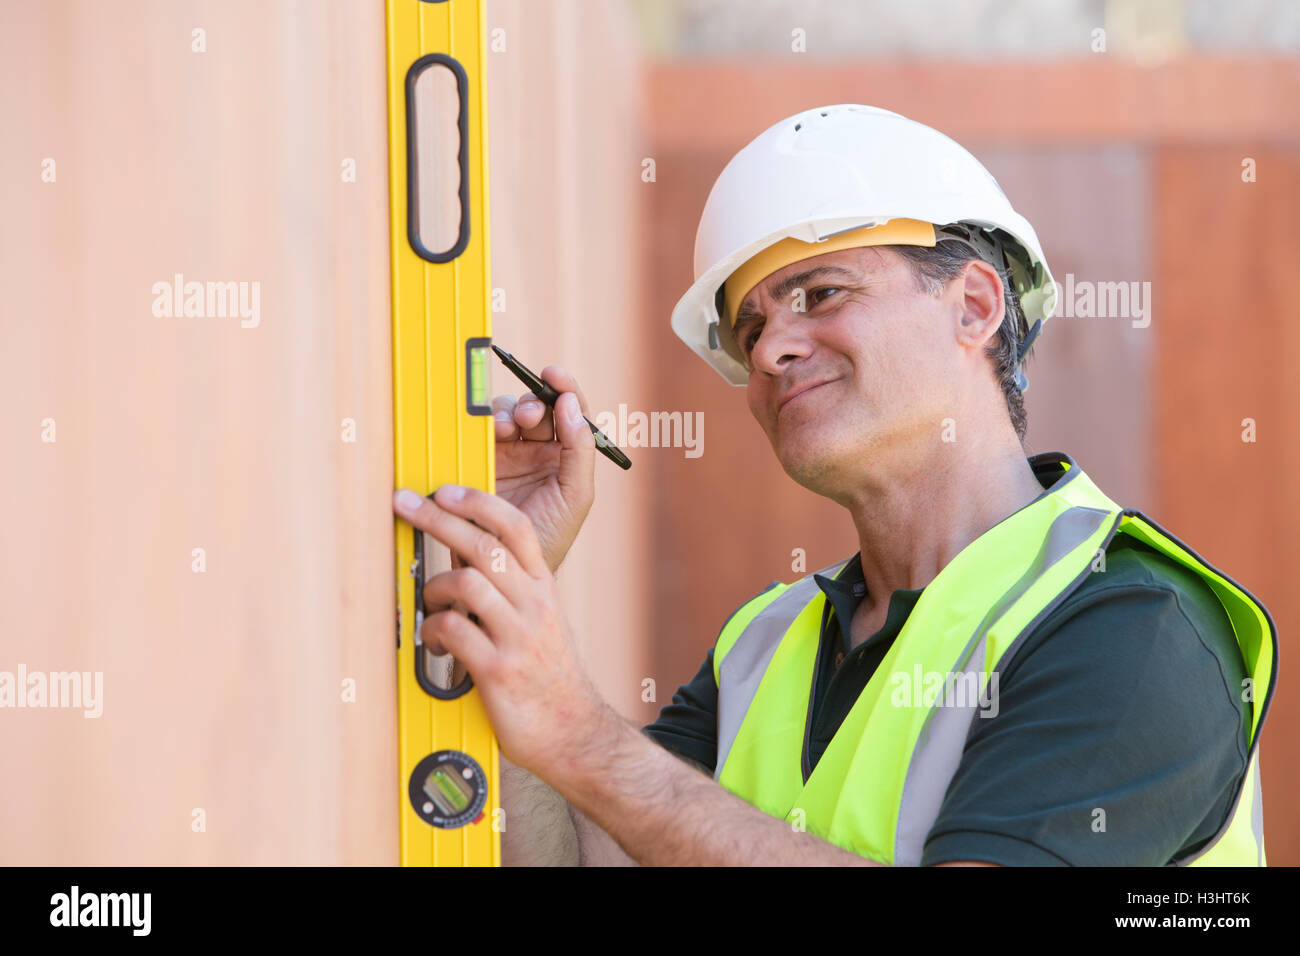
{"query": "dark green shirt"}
(1127, 698)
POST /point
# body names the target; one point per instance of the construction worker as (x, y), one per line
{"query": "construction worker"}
(1013, 669)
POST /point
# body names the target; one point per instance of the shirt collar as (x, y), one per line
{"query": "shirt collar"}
(845, 592)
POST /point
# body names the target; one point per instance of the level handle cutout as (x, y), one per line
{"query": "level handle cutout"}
(439, 675)
(437, 158)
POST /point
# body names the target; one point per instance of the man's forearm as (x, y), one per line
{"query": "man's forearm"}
(663, 813)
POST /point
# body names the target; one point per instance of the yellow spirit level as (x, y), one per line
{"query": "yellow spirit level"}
(438, 200)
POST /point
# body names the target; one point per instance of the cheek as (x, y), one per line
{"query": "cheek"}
(915, 342)
(897, 359)
(867, 344)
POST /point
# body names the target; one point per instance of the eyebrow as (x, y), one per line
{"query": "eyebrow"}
(747, 313)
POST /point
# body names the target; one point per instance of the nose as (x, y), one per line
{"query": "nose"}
(783, 339)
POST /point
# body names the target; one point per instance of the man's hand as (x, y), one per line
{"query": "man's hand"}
(543, 707)
(550, 481)
(550, 719)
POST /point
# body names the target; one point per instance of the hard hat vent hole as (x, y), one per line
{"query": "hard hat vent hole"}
(823, 114)
(798, 126)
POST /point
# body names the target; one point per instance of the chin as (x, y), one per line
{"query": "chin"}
(812, 460)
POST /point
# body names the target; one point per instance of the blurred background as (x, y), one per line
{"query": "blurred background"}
(1147, 141)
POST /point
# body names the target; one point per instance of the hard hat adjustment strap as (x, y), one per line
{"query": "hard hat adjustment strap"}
(1029, 340)
(988, 244)
(1022, 382)
(999, 248)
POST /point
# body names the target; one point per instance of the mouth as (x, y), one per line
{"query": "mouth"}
(800, 393)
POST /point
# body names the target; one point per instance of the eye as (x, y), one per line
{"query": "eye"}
(752, 333)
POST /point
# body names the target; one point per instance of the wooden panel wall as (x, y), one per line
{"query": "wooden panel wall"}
(1227, 407)
(222, 690)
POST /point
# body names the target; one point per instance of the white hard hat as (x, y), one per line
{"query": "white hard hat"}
(836, 170)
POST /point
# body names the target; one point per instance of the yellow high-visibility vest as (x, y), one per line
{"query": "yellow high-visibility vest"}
(877, 789)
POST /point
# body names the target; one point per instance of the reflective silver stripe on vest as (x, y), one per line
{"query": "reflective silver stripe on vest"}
(943, 738)
(745, 664)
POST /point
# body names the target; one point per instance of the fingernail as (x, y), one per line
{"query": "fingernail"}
(450, 493)
(408, 502)
(574, 412)
(503, 416)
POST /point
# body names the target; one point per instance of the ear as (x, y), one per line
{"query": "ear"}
(981, 305)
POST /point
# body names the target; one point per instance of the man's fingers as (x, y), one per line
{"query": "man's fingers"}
(534, 418)
(504, 535)
(504, 524)
(469, 591)
(524, 417)
(527, 416)
(574, 434)
(577, 450)
(503, 414)
(450, 632)
(558, 377)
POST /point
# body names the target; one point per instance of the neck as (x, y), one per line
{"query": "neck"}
(914, 515)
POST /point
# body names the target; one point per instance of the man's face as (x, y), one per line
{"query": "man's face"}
(868, 367)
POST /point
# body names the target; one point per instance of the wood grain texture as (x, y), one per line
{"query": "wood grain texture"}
(1228, 348)
(222, 690)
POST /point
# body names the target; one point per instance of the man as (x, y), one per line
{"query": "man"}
(1012, 670)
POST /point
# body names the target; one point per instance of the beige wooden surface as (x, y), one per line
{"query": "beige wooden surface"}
(223, 689)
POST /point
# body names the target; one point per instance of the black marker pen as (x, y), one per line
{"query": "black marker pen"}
(549, 396)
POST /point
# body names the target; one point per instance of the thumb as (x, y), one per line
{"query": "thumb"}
(577, 445)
